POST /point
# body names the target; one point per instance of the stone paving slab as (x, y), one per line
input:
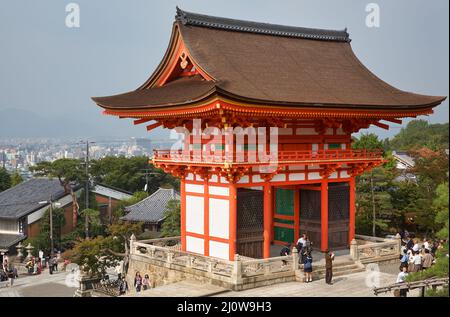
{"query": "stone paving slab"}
(187, 288)
(352, 285)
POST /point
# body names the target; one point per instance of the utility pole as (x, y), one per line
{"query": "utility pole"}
(51, 226)
(86, 189)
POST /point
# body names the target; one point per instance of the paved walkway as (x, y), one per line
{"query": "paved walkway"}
(187, 288)
(353, 285)
(42, 285)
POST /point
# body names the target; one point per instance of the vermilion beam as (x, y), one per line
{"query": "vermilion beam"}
(268, 205)
(153, 126)
(143, 120)
(324, 215)
(398, 121)
(381, 125)
(352, 202)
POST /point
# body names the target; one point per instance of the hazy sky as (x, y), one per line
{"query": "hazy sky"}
(53, 70)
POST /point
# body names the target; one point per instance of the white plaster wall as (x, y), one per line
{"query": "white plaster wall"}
(194, 214)
(195, 188)
(244, 180)
(219, 218)
(190, 177)
(219, 190)
(314, 175)
(279, 178)
(219, 250)
(195, 245)
(344, 174)
(297, 176)
(223, 180)
(257, 179)
(334, 175)
(214, 179)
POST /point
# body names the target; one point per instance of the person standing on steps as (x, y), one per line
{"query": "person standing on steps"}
(307, 267)
(329, 257)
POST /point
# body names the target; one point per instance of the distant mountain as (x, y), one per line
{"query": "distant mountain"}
(21, 123)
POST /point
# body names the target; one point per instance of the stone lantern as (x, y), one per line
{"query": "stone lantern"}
(29, 249)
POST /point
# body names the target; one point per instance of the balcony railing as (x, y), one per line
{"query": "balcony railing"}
(255, 157)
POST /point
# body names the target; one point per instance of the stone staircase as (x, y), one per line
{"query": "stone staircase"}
(341, 266)
(339, 269)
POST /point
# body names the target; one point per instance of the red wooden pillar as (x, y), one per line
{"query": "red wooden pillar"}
(233, 222)
(268, 206)
(206, 217)
(352, 204)
(296, 214)
(324, 215)
(183, 213)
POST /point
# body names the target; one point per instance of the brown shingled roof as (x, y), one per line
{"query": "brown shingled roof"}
(271, 64)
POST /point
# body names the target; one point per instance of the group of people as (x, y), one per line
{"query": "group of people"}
(36, 265)
(304, 248)
(7, 270)
(140, 283)
(415, 257)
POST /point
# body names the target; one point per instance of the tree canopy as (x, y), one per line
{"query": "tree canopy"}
(420, 133)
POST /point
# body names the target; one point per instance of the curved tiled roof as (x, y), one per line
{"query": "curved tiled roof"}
(152, 208)
(268, 65)
(195, 19)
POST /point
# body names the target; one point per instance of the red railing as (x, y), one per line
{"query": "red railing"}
(253, 157)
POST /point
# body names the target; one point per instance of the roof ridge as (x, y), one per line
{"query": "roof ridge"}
(202, 20)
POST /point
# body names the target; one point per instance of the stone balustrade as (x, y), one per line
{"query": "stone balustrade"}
(239, 274)
(368, 249)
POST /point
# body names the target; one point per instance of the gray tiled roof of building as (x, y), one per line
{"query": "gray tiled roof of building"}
(151, 209)
(24, 198)
(7, 240)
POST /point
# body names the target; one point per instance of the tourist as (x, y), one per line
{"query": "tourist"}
(417, 259)
(427, 259)
(401, 278)
(30, 266)
(138, 282)
(285, 251)
(307, 268)
(404, 259)
(426, 244)
(123, 286)
(329, 257)
(54, 264)
(409, 243)
(146, 282)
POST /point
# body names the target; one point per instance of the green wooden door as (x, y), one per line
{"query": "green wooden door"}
(284, 205)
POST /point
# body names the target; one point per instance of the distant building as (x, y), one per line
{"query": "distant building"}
(151, 210)
(404, 164)
(21, 210)
(107, 199)
(21, 207)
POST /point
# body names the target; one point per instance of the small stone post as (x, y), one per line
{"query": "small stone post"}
(398, 237)
(29, 249)
(294, 259)
(354, 250)
(236, 275)
(132, 240)
(19, 248)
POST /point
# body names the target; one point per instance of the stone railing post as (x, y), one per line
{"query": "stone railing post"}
(189, 261)
(151, 250)
(377, 251)
(294, 259)
(236, 275)
(354, 254)
(169, 257)
(398, 237)
(132, 241)
(19, 249)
